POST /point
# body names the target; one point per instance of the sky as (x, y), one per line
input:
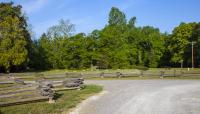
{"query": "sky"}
(88, 15)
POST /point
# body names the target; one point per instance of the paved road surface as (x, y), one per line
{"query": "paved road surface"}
(145, 97)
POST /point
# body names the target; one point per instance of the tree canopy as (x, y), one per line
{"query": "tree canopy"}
(116, 17)
(120, 44)
(14, 37)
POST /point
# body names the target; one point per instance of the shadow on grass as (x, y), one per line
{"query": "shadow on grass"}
(56, 96)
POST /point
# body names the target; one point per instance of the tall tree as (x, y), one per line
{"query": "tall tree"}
(179, 42)
(14, 36)
(116, 17)
(57, 36)
(63, 29)
(112, 47)
(131, 22)
(196, 38)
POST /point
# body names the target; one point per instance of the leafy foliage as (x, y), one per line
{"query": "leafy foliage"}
(116, 17)
(120, 44)
(14, 37)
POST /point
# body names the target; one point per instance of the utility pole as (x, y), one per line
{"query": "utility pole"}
(193, 53)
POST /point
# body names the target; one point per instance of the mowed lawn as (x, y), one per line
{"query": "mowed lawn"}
(65, 100)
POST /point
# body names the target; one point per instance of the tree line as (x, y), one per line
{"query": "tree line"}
(120, 44)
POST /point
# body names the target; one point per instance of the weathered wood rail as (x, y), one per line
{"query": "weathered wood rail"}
(38, 90)
(24, 101)
(150, 74)
(118, 74)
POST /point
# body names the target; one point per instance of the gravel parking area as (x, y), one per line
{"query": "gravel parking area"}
(144, 97)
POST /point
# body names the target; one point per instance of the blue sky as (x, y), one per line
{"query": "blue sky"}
(88, 15)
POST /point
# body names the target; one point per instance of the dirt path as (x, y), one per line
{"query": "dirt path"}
(144, 97)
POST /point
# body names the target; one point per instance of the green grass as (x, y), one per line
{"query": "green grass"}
(60, 71)
(7, 85)
(64, 101)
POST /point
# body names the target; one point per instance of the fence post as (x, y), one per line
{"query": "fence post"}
(162, 74)
(51, 100)
(174, 72)
(119, 74)
(11, 76)
(67, 75)
(141, 74)
(182, 74)
(102, 74)
(81, 75)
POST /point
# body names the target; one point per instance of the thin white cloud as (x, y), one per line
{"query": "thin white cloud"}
(32, 6)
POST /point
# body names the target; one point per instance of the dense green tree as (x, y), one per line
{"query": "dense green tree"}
(131, 23)
(152, 46)
(14, 37)
(45, 52)
(165, 60)
(196, 38)
(112, 47)
(54, 44)
(116, 17)
(95, 34)
(179, 42)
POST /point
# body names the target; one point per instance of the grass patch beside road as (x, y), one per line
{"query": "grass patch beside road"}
(64, 101)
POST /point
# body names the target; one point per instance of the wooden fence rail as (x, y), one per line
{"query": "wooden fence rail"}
(161, 74)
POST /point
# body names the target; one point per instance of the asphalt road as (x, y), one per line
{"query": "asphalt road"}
(144, 97)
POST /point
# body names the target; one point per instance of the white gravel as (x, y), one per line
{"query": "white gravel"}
(144, 97)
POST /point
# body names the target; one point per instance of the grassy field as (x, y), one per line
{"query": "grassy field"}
(61, 71)
(64, 101)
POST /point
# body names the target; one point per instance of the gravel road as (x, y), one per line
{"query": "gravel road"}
(144, 97)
